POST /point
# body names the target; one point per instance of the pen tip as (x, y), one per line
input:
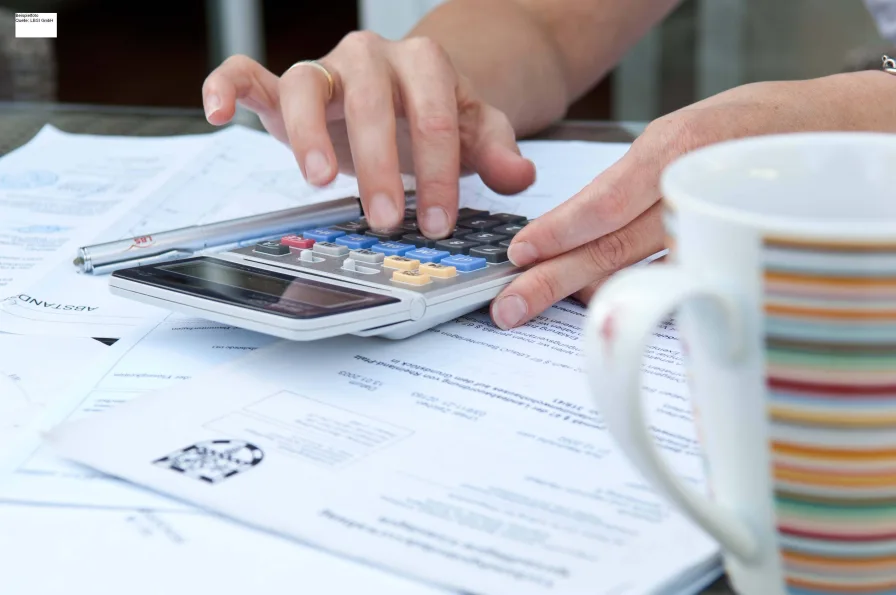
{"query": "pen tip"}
(78, 261)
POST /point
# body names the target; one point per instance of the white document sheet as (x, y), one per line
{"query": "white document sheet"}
(238, 172)
(465, 456)
(36, 370)
(153, 357)
(60, 551)
(244, 172)
(59, 190)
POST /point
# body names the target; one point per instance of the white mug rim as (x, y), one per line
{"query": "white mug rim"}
(680, 197)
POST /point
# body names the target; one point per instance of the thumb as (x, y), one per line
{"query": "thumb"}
(489, 148)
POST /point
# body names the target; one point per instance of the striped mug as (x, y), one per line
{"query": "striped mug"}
(782, 283)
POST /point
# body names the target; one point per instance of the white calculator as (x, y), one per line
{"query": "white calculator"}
(341, 279)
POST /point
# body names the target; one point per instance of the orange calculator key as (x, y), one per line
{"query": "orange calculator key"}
(401, 263)
(441, 271)
(411, 277)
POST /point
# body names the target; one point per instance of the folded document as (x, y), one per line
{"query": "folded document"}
(466, 457)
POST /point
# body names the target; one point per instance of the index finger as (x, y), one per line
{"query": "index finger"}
(427, 86)
(242, 79)
(612, 200)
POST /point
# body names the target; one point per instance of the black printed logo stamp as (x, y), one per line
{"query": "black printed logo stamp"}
(213, 461)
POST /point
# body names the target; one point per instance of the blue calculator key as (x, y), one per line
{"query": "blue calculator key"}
(392, 248)
(356, 241)
(322, 234)
(464, 263)
(427, 254)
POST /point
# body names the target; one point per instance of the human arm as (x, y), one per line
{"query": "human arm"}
(544, 55)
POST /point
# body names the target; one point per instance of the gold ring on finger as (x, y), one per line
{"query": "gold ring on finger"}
(322, 68)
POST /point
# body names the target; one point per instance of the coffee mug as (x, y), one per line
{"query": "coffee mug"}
(782, 283)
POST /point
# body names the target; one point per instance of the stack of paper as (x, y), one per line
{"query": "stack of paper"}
(462, 459)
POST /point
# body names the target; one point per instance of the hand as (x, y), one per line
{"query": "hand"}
(397, 107)
(615, 221)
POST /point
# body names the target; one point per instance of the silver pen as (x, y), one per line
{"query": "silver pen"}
(223, 235)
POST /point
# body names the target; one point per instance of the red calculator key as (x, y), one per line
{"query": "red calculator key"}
(297, 242)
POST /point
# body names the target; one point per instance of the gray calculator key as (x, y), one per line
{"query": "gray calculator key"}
(507, 218)
(511, 229)
(455, 245)
(387, 235)
(419, 240)
(484, 237)
(272, 247)
(352, 226)
(410, 227)
(466, 213)
(330, 249)
(493, 254)
(368, 256)
(505, 244)
(480, 223)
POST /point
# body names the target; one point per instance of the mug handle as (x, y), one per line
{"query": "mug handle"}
(622, 317)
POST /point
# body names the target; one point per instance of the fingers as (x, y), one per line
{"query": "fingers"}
(241, 79)
(607, 204)
(305, 94)
(551, 281)
(427, 86)
(367, 82)
(489, 147)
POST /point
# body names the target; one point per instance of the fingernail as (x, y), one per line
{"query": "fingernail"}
(317, 168)
(435, 222)
(383, 213)
(522, 254)
(212, 104)
(509, 311)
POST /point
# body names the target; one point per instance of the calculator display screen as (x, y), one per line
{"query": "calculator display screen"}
(257, 281)
(256, 289)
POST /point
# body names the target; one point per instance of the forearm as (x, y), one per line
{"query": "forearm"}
(533, 58)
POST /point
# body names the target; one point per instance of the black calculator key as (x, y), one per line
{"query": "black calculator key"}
(480, 224)
(511, 229)
(460, 232)
(410, 214)
(455, 245)
(272, 247)
(419, 240)
(352, 227)
(410, 226)
(506, 218)
(493, 254)
(467, 213)
(388, 235)
(484, 237)
(505, 244)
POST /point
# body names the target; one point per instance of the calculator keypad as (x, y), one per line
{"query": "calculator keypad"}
(401, 257)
